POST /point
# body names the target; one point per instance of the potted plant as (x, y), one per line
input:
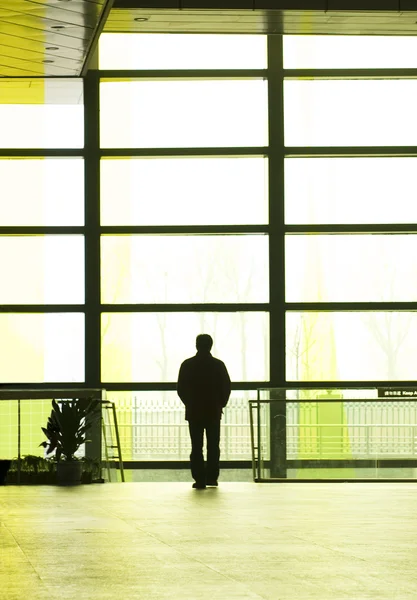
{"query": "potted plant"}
(34, 470)
(66, 431)
(37, 470)
(4, 468)
(91, 470)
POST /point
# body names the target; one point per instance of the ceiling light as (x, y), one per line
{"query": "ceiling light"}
(141, 19)
(51, 48)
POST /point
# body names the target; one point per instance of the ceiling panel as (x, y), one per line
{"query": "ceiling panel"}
(48, 37)
(262, 21)
(39, 91)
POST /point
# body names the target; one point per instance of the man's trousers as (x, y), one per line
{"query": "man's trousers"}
(201, 472)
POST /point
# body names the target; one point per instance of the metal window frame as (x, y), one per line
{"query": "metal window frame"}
(276, 229)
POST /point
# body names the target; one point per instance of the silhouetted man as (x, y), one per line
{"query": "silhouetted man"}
(204, 388)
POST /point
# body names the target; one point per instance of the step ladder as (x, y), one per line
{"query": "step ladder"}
(111, 438)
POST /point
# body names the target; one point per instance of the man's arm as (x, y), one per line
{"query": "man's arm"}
(182, 384)
(226, 385)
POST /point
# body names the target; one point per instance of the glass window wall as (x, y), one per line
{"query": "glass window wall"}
(47, 269)
(42, 192)
(355, 190)
(184, 269)
(182, 51)
(184, 191)
(349, 52)
(179, 227)
(350, 112)
(351, 268)
(150, 347)
(42, 348)
(183, 114)
(42, 113)
(351, 346)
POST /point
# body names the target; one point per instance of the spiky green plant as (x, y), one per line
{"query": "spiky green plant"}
(68, 424)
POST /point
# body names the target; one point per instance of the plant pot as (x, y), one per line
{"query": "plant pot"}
(4, 467)
(86, 477)
(69, 472)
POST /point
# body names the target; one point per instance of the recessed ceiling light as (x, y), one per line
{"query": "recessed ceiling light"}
(141, 19)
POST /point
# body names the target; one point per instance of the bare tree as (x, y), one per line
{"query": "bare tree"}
(390, 329)
(302, 350)
(117, 262)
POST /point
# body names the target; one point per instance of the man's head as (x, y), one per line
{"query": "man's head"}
(204, 342)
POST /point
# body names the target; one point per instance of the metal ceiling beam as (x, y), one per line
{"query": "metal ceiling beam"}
(108, 5)
(289, 17)
(316, 5)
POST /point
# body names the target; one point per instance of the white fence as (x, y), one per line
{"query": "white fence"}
(155, 429)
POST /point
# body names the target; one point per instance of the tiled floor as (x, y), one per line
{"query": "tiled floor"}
(168, 475)
(242, 541)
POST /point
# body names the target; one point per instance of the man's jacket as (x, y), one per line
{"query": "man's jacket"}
(204, 387)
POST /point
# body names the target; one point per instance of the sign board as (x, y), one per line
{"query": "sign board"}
(397, 392)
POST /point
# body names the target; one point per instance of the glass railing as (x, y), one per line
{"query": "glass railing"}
(334, 434)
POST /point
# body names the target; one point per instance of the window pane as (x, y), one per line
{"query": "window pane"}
(34, 414)
(182, 51)
(351, 268)
(184, 269)
(347, 190)
(350, 112)
(44, 191)
(42, 113)
(9, 429)
(158, 114)
(152, 346)
(351, 346)
(343, 429)
(349, 52)
(42, 348)
(184, 191)
(42, 269)
(152, 426)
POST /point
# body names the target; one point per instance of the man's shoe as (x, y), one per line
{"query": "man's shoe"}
(212, 483)
(199, 486)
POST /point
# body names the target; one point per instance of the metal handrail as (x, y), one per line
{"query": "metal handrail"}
(364, 441)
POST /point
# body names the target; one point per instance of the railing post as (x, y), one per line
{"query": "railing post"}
(278, 432)
(252, 437)
(19, 442)
(278, 435)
